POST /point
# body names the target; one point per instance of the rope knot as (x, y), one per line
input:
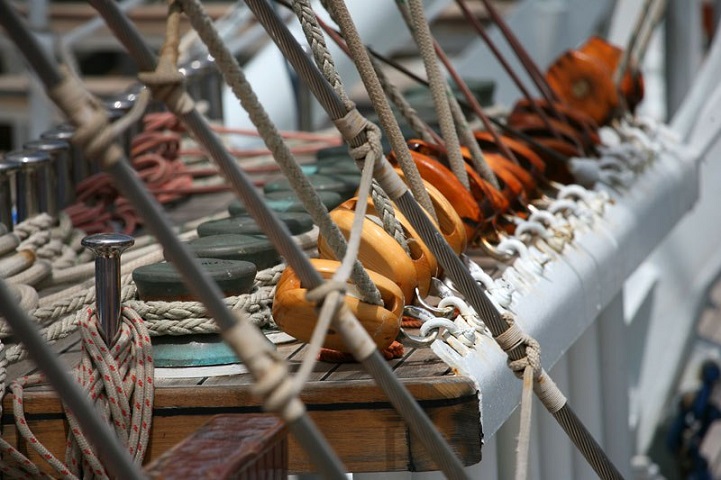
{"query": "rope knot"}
(166, 82)
(168, 86)
(514, 338)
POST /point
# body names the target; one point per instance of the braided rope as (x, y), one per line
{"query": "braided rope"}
(321, 54)
(385, 209)
(60, 319)
(358, 52)
(414, 15)
(119, 381)
(409, 114)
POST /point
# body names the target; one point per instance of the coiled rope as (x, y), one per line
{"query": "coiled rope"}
(119, 380)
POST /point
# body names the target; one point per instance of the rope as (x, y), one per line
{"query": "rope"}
(166, 82)
(409, 114)
(238, 83)
(415, 17)
(385, 209)
(332, 292)
(119, 381)
(61, 318)
(321, 54)
(469, 141)
(359, 54)
(528, 368)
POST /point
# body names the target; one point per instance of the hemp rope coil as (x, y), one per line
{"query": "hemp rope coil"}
(118, 379)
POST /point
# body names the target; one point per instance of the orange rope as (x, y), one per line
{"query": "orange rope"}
(395, 350)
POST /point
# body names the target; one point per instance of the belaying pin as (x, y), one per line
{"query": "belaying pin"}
(35, 183)
(108, 247)
(8, 171)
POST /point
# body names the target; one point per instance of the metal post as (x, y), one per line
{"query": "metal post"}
(33, 189)
(613, 345)
(8, 171)
(108, 247)
(78, 167)
(59, 151)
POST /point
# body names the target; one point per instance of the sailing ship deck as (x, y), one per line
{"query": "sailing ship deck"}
(350, 410)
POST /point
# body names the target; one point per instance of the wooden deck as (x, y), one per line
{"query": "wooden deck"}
(349, 409)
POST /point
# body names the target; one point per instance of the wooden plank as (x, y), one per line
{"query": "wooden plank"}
(68, 348)
(421, 362)
(355, 416)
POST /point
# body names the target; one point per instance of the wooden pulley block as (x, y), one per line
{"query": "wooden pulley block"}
(504, 166)
(516, 179)
(449, 224)
(532, 124)
(577, 119)
(632, 83)
(378, 251)
(424, 261)
(584, 83)
(528, 159)
(465, 205)
(297, 316)
(491, 201)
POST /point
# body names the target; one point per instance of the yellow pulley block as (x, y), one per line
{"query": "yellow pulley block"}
(449, 223)
(297, 316)
(424, 261)
(378, 252)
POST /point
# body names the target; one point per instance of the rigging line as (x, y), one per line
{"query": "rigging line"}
(338, 39)
(414, 17)
(530, 65)
(235, 78)
(335, 35)
(393, 185)
(478, 27)
(475, 106)
(418, 125)
(640, 24)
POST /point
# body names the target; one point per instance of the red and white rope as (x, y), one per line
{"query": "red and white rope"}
(119, 381)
